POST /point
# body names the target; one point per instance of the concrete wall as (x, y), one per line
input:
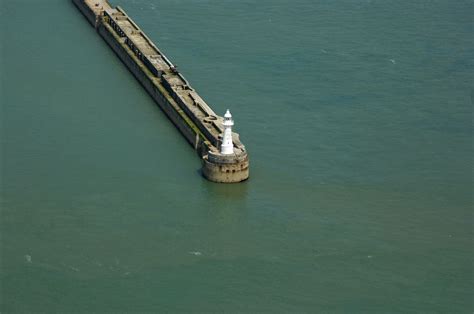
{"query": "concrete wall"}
(159, 95)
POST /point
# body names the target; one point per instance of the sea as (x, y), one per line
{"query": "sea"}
(357, 116)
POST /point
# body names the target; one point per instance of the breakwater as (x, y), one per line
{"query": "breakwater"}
(198, 123)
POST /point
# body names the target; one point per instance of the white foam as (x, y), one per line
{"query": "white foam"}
(28, 258)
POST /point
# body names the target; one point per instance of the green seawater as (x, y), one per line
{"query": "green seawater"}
(357, 115)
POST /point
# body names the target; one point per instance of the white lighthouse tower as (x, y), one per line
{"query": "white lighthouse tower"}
(227, 146)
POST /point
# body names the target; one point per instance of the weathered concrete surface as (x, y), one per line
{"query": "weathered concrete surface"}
(201, 127)
(92, 9)
(233, 168)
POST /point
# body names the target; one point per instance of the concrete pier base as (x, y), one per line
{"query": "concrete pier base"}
(225, 173)
(226, 168)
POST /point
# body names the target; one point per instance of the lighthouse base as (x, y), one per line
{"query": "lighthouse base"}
(225, 168)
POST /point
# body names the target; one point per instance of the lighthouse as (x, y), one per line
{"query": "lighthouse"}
(227, 146)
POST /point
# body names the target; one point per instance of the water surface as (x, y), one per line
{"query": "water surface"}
(358, 119)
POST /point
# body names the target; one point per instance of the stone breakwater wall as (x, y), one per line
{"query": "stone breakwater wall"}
(192, 116)
(88, 11)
